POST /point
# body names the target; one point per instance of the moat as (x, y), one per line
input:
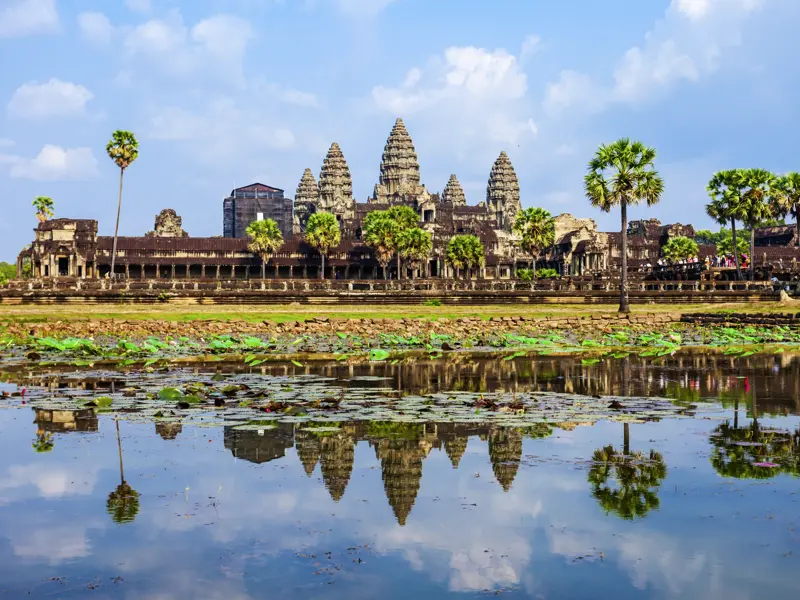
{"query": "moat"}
(524, 477)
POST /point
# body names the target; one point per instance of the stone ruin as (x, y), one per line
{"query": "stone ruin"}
(168, 225)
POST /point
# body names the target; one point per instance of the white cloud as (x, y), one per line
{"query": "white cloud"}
(6, 142)
(530, 46)
(685, 45)
(52, 544)
(140, 6)
(469, 93)
(214, 45)
(363, 9)
(19, 18)
(54, 163)
(54, 98)
(95, 27)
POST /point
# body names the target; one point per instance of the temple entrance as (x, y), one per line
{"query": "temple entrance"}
(433, 268)
(63, 266)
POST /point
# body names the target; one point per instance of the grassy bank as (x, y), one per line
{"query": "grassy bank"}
(297, 312)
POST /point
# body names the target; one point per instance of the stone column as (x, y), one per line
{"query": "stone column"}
(217, 275)
(172, 271)
(127, 271)
(202, 271)
(276, 271)
(19, 267)
(305, 271)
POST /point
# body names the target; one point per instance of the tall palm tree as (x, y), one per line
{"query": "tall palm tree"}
(123, 502)
(415, 246)
(123, 149)
(265, 240)
(381, 233)
(725, 190)
(623, 174)
(406, 219)
(787, 199)
(465, 252)
(323, 233)
(44, 208)
(537, 230)
(757, 204)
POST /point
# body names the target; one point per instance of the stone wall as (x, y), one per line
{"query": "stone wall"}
(734, 319)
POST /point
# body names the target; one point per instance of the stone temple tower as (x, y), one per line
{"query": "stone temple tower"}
(502, 193)
(336, 185)
(306, 200)
(454, 193)
(399, 167)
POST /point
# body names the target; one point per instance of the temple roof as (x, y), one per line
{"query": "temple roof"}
(256, 187)
(454, 193)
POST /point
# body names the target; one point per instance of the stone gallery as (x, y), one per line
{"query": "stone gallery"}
(71, 247)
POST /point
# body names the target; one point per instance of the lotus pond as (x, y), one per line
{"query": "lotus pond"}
(657, 470)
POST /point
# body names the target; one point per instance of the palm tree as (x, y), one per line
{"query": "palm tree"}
(787, 199)
(465, 252)
(537, 230)
(123, 149)
(725, 190)
(44, 208)
(323, 233)
(123, 502)
(406, 219)
(414, 245)
(44, 442)
(757, 204)
(381, 233)
(623, 174)
(678, 248)
(637, 478)
(265, 239)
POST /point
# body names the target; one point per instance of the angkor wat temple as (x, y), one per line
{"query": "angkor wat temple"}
(72, 247)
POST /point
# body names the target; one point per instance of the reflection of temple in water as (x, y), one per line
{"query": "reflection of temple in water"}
(401, 449)
(64, 421)
(168, 431)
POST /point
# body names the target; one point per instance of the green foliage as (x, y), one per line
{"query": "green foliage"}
(537, 231)
(725, 243)
(380, 234)
(265, 239)
(322, 231)
(123, 148)
(525, 274)
(636, 480)
(43, 443)
(7, 271)
(465, 252)
(44, 206)
(623, 173)
(405, 217)
(708, 237)
(547, 273)
(753, 452)
(435, 302)
(414, 245)
(679, 248)
(123, 504)
(786, 197)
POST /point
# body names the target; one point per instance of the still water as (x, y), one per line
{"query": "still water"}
(702, 507)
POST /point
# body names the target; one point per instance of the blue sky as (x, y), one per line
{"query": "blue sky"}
(233, 91)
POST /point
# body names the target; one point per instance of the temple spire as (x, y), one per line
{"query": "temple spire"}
(399, 165)
(454, 193)
(306, 200)
(502, 193)
(336, 184)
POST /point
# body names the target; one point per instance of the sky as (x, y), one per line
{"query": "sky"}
(223, 93)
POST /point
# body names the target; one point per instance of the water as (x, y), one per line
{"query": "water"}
(425, 510)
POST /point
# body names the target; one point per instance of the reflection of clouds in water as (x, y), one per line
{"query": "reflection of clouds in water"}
(54, 545)
(186, 584)
(50, 481)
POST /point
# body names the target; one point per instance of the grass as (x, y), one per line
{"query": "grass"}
(296, 312)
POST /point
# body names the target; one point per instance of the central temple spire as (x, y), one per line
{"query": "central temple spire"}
(399, 166)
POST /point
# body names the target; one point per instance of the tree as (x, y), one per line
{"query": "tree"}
(265, 240)
(637, 478)
(725, 244)
(44, 208)
(623, 174)
(44, 442)
(323, 233)
(123, 149)
(123, 502)
(414, 245)
(680, 248)
(537, 230)
(381, 233)
(465, 252)
(707, 237)
(787, 199)
(757, 206)
(725, 190)
(406, 219)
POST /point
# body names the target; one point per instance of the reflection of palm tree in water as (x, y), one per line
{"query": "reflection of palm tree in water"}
(752, 452)
(633, 490)
(43, 442)
(123, 502)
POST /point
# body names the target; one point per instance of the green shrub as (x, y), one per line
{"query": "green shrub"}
(525, 274)
(433, 303)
